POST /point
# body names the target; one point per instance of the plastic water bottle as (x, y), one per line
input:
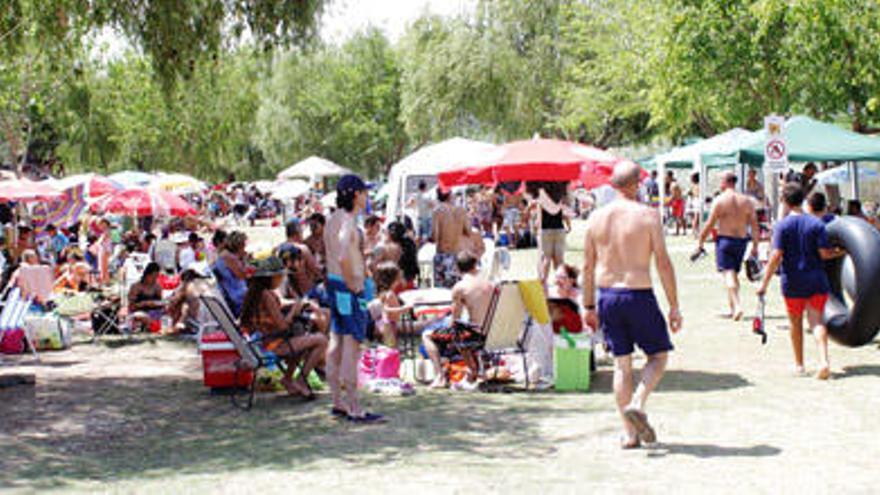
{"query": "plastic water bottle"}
(166, 322)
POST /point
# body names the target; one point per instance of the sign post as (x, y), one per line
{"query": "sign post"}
(775, 149)
(775, 158)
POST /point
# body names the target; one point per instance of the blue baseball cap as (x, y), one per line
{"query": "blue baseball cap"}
(350, 184)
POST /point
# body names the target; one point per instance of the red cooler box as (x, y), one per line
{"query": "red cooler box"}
(219, 359)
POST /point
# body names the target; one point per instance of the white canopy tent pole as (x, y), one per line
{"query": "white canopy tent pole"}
(740, 177)
(704, 186)
(661, 188)
(401, 197)
(853, 170)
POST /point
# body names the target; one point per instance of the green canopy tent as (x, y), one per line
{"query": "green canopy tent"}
(690, 156)
(807, 140)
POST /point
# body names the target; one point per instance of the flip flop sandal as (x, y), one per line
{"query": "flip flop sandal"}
(367, 418)
(630, 443)
(338, 413)
(640, 421)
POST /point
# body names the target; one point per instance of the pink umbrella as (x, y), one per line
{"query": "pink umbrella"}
(144, 203)
(27, 190)
(530, 160)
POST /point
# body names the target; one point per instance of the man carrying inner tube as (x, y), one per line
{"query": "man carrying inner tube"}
(734, 213)
(800, 244)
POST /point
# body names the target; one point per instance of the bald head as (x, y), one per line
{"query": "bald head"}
(729, 179)
(626, 175)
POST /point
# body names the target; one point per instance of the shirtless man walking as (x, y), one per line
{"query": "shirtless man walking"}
(346, 274)
(448, 225)
(734, 213)
(621, 240)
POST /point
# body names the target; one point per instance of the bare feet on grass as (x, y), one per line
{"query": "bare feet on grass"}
(295, 387)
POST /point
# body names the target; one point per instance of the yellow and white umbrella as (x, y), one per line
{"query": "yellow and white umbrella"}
(178, 184)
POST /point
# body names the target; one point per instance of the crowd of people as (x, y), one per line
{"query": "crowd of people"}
(337, 279)
(683, 210)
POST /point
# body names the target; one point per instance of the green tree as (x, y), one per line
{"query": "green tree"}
(339, 103)
(117, 117)
(175, 35)
(29, 85)
(833, 53)
(721, 65)
(489, 76)
(729, 63)
(607, 48)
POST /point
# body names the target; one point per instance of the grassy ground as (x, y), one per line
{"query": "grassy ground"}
(730, 417)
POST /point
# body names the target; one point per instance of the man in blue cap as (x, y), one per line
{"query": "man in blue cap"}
(346, 278)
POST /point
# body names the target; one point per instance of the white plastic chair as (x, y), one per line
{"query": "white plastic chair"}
(12, 316)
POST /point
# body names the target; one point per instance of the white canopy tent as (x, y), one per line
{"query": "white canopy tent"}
(329, 200)
(290, 189)
(690, 156)
(425, 164)
(841, 175)
(313, 168)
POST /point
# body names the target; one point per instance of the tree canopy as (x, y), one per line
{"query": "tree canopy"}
(248, 86)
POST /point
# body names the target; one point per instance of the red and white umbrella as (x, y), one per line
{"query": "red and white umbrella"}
(95, 186)
(144, 203)
(25, 190)
(530, 160)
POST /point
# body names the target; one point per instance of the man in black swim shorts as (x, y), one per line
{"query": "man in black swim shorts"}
(621, 240)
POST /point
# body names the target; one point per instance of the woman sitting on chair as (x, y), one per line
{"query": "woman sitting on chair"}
(564, 302)
(75, 275)
(145, 304)
(567, 283)
(291, 297)
(184, 305)
(282, 335)
(231, 270)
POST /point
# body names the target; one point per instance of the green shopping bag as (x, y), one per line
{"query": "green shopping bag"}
(572, 364)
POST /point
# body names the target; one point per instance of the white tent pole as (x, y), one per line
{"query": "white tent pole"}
(401, 197)
(740, 177)
(661, 188)
(853, 169)
(704, 186)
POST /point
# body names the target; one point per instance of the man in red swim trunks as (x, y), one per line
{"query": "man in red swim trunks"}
(800, 244)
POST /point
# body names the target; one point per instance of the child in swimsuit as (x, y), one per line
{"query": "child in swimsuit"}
(388, 279)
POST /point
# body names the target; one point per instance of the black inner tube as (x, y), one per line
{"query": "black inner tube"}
(858, 325)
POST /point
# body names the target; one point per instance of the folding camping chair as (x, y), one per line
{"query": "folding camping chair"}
(506, 327)
(12, 316)
(106, 316)
(251, 355)
(36, 282)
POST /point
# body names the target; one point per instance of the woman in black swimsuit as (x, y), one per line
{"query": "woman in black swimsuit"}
(145, 303)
